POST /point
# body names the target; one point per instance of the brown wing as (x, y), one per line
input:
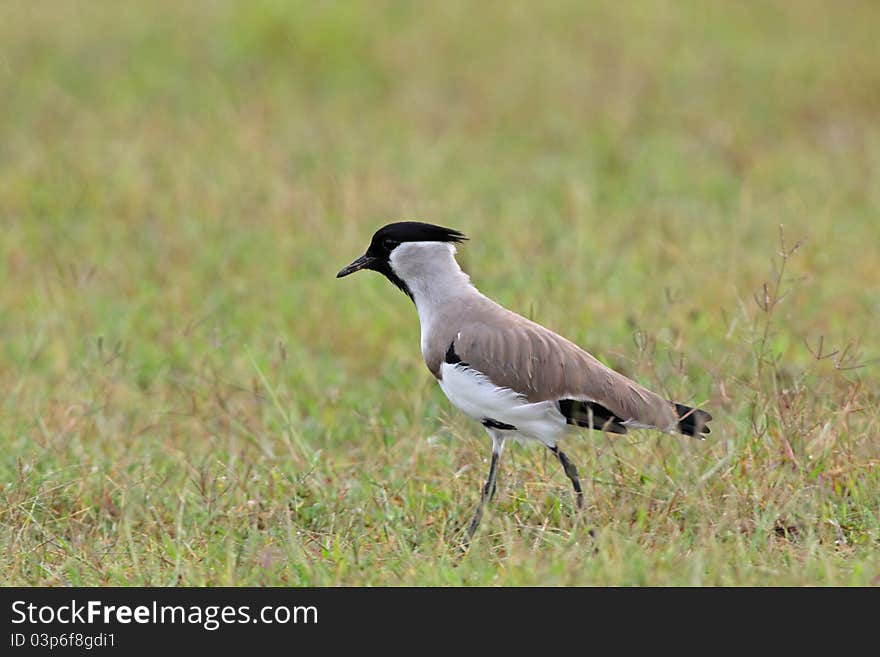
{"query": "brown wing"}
(541, 365)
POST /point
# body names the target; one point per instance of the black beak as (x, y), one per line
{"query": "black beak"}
(360, 263)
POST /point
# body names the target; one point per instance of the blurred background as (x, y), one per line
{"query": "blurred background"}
(179, 183)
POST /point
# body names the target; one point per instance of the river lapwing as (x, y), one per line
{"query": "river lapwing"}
(519, 379)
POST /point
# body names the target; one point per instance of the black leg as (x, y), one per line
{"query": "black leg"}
(489, 488)
(571, 472)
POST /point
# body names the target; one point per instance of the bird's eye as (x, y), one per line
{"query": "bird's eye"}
(390, 244)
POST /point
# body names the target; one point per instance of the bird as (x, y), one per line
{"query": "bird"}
(520, 380)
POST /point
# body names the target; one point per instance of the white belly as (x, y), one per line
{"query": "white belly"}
(476, 396)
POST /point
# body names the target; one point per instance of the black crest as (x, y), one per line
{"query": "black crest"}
(388, 237)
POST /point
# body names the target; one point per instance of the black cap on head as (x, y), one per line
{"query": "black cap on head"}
(415, 231)
(389, 237)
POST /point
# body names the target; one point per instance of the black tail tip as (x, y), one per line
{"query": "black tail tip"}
(692, 421)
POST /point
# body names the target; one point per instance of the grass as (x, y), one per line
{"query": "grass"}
(189, 397)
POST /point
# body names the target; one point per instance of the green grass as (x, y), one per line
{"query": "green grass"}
(190, 397)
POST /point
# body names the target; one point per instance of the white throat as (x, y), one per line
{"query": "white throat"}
(433, 277)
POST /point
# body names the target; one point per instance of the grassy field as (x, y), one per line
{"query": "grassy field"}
(190, 397)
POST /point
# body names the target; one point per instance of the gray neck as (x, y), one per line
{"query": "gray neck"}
(434, 278)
